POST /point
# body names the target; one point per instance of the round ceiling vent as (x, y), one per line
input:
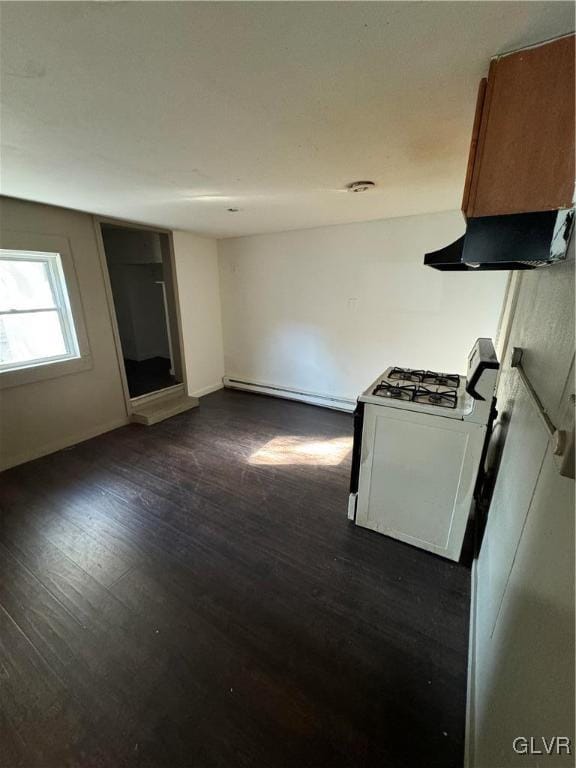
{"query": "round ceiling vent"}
(360, 186)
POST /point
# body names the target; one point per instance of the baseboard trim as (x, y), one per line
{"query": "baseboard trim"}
(59, 445)
(469, 760)
(207, 390)
(274, 390)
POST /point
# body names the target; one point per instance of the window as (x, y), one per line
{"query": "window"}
(36, 324)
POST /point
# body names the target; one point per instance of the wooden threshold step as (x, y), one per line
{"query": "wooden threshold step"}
(162, 408)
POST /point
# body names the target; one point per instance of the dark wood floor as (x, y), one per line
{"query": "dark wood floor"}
(166, 601)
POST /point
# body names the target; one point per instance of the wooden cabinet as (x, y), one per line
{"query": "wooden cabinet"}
(522, 148)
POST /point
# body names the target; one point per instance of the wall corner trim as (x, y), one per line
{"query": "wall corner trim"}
(206, 390)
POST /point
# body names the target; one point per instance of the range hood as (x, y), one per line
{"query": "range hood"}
(516, 241)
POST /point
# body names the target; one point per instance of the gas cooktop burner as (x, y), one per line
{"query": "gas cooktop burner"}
(425, 377)
(415, 394)
(444, 399)
(397, 391)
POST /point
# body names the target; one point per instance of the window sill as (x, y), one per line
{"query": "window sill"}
(44, 371)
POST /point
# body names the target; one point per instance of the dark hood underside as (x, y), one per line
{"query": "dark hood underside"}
(516, 241)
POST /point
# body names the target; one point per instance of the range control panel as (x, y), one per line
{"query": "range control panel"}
(482, 358)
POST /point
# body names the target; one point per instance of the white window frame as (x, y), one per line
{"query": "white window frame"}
(37, 371)
(61, 306)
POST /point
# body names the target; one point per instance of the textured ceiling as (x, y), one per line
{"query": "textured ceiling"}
(171, 113)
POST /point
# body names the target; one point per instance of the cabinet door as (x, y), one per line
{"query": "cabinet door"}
(480, 98)
(525, 156)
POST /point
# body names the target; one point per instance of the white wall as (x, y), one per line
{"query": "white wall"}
(199, 297)
(40, 417)
(327, 310)
(522, 649)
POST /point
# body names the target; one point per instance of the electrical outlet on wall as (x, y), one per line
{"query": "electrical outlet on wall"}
(352, 305)
(563, 440)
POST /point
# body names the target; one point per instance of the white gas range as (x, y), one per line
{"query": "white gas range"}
(419, 439)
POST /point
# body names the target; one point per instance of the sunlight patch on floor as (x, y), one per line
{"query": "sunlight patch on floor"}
(302, 450)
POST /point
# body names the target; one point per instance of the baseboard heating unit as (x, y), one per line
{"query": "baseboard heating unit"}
(312, 398)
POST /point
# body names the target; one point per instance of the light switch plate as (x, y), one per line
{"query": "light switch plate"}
(565, 462)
